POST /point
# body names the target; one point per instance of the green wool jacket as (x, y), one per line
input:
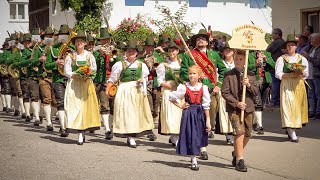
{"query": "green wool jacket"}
(270, 65)
(7, 57)
(160, 56)
(215, 59)
(27, 63)
(51, 63)
(101, 76)
(39, 51)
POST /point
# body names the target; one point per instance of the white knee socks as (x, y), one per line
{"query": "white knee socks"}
(27, 108)
(36, 109)
(105, 118)
(15, 101)
(174, 139)
(61, 115)
(3, 98)
(131, 141)
(21, 106)
(258, 118)
(8, 100)
(80, 137)
(47, 112)
(203, 149)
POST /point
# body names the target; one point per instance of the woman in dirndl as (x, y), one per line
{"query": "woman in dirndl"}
(293, 97)
(81, 103)
(224, 124)
(168, 79)
(132, 114)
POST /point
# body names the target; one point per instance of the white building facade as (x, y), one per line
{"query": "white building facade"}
(14, 17)
(222, 15)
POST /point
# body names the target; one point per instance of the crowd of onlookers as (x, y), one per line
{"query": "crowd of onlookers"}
(309, 47)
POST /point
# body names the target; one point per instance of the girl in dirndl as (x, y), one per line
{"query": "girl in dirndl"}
(170, 115)
(293, 96)
(132, 114)
(195, 122)
(81, 103)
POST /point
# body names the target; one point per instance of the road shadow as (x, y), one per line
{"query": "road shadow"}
(16, 121)
(60, 140)
(218, 142)
(110, 142)
(164, 151)
(155, 144)
(171, 164)
(271, 138)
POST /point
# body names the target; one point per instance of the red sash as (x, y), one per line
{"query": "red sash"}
(205, 64)
(107, 65)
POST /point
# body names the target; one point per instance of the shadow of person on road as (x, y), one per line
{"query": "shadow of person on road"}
(110, 142)
(171, 164)
(14, 120)
(271, 138)
(163, 151)
(154, 144)
(218, 142)
(60, 140)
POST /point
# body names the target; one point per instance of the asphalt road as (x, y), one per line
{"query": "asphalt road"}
(28, 152)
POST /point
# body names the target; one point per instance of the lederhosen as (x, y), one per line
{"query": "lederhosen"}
(33, 81)
(45, 83)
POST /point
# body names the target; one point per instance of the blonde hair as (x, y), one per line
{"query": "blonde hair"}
(197, 68)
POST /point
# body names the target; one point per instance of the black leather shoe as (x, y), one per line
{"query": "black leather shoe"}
(240, 166)
(194, 167)
(16, 113)
(131, 145)
(49, 128)
(204, 155)
(260, 131)
(109, 135)
(234, 160)
(211, 135)
(23, 116)
(28, 119)
(91, 131)
(294, 140)
(4, 109)
(63, 133)
(152, 137)
(79, 143)
(8, 110)
(36, 123)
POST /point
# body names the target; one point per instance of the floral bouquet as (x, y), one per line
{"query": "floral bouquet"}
(296, 67)
(85, 72)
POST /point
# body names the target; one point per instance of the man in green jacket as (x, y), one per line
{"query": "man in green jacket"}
(45, 76)
(260, 63)
(5, 82)
(105, 61)
(30, 72)
(201, 42)
(55, 63)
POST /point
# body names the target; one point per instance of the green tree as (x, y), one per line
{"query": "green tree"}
(87, 13)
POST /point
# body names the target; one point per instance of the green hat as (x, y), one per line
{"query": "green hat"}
(27, 37)
(290, 38)
(172, 44)
(201, 33)
(150, 41)
(13, 36)
(120, 45)
(6, 41)
(35, 31)
(81, 34)
(90, 38)
(49, 31)
(104, 34)
(132, 44)
(163, 39)
(140, 48)
(64, 29)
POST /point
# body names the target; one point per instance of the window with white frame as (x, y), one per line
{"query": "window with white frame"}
(18, 11)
